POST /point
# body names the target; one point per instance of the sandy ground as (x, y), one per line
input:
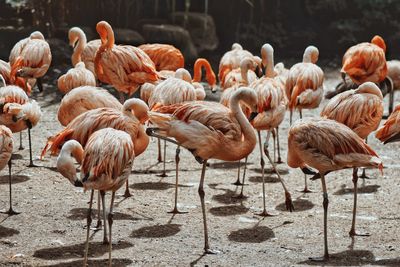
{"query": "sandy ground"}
(50, 231)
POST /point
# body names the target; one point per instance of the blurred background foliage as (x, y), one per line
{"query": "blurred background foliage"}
(289, 25)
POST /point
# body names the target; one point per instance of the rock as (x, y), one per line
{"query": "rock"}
(61, 52)
(174, 35)
(202, 29)
(9, 36)
(127, 37)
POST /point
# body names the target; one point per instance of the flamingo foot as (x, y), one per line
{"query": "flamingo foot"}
(97, 227)
(127, 194)
(353, 233)
(305, 190)
(31, 164)
(265, 213)
(10, 212)
(238, 182)
(211, 251)
(176, 211)
(279, 161)
(240, 196)
(163, 174)
(319, 259)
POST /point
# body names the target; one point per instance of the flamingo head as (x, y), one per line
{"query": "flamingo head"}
(378, 41)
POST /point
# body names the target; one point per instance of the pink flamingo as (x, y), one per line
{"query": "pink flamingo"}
(75, 77)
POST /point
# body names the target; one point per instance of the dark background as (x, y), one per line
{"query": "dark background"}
(288, 25)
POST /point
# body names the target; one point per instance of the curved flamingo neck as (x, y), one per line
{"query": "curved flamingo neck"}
(106, 34)
(311, 55)
(244, 70)
(267, 53)
(138, 108)
(82, 41)
(210, 75)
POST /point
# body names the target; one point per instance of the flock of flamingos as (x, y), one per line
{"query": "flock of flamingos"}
(104, 135)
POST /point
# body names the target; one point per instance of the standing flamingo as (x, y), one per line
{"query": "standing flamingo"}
(327, 145)
(199, 64)
(164, 56)
(361, 110)
(209, 130)
(123, 66)
(130, 118)
(83, 50)
(84, 98)
(6, 148)
(19, 113)
(106, 163)
(31, 57)
(75, 77)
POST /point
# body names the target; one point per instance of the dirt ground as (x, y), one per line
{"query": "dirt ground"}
(50, 231)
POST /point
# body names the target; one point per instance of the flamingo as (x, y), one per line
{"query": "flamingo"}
(304, 85)
(9, 76)
(84, 98)
(199, 64)
(122, 66)
(6, 148)
(83, 50)
(209, 130)
(130, 118)
(164, 56)
(75, 77)
(231, 60)
(106, 163)
(31, 57)
(393, 67)
(389, 132)
(236, 76)
(19, 113)
(327, 145)
(361, 110)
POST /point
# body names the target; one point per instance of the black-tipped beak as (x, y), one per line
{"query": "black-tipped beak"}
(253, 115)
(343, 77)
(78, 183)
(149, 131)
(259, 71)
(213, 89)
(392, 139)
(18, 73)
(29, 124)
(308, 171)
(14, 118)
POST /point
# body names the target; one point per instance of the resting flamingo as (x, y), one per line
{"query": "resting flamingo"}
(390, 130)
(106, 163)
(83, 50)
(164, 56)
(327, 145)
(393, 67)
(6, 149)
(10, 78)
(130, 118)
(31, 57)
(123, 66)
(84, 98)
(75, 77)
(209, 130)
(19, 113)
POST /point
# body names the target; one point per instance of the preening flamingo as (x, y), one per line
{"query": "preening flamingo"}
(236, 76)
(75, 77)
(84, 98)
(199, 64)
(6, 149)
(9, 76)
(19, 112)
(393, 67)
(130, 118)
(31, 57)
(209, 130)
(304, 85)
(164, 56)
(231, 60)
(106, 163)
(83, 50)
(327, 145)
(123, 66)
(361, 110)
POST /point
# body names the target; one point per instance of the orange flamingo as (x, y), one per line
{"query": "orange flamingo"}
(75, 77)
(19, 113)
(9, 76)
(130, 118)
(208, 130)
(83, 50)
(327, 145)
(122, 66)
(199, 64)
(106, 163)
(236, 75)
(390, 130)
(361, 110)
(393, 67)
(304, 85)
(6, 148)
(84, 98)
(231, 60)
(164, 56)
(31, 57)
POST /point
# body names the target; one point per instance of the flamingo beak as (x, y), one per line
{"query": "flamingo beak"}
(343, 77)
(253, 115)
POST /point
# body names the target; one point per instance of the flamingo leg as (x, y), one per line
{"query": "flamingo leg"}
(159, 150)
(363, 174)
(121, 97)
(277, 144)
(325, 205)
(30, 149)
(353, 223)
(102, 193)
(237, 183)
(127, 193)
(244, 176)
(20, 141)
(274, 137)
(177, 159)
(207, 249)
(89, 221)
(98, 226)
(10, 211)
(39, 84)
(164, 173)
(290, 117)
(110, 222)
(300, 114)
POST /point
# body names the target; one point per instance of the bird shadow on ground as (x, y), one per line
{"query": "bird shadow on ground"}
(368, 189)
(281, 170)
(257, 234)
(228, 197)
(227, 165)
(157, 231)
(96, 249)
(53, 169)
(155, 186)
(353, 258)
(81, 214)
(299, 205)
(15, 179)
(7, 232)
(229, 210)
(17, 157)
(93, 263)
(269, 179)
